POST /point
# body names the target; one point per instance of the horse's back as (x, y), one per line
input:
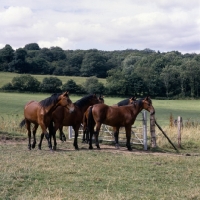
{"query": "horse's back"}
(31, 110)
(112, 115)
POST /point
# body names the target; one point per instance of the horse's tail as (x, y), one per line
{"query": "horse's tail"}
(90, 123)
(22, 123)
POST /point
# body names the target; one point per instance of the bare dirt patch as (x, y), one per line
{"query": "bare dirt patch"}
(8, 139)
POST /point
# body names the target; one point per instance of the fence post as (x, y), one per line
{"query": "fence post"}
(152, 130)
(179, 129)
(70, 132)
(144, 120)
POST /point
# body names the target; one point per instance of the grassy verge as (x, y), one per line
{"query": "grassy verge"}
(105, 174)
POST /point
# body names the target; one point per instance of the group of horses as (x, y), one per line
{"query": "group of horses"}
(58, 110)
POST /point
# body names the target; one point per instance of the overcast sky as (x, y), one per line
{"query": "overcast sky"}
(164, 25)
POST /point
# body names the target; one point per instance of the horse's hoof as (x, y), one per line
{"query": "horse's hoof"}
(39, 147)
(33, 146)
(98, 147)
(130, 149)
(90, 147)
(54, 148)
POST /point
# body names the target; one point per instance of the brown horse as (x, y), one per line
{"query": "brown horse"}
(123, 116)
(39, 113)
(126, 102)
(61, 117)
(85, 126)
(85, 118)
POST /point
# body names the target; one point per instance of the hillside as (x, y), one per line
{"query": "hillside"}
(6, 77)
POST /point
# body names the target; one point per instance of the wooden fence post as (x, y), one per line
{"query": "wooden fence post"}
(152, 130)
(144, 119)
(179, 129)
(70, 132)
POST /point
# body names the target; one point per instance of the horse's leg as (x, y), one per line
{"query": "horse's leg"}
(84, 133)
(76, 137)
(87, 135)
(44, 131)
(40, 143)
(34, 135)
(54, 139)
(52, 134)
(62, 135)
(90, 140)
(98, 126)
(28, 127)
(116, 135)
(128, 137)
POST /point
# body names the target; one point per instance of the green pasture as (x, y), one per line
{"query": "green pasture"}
(6, 77)
(12, 105)
(107, 174)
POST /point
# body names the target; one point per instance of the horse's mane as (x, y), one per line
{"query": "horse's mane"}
(101, 99)
(139, 101)
(81, 102)
(50, 100)
(123, 102)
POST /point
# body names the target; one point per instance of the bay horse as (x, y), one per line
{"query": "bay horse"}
(123, 116)
(39, 113)
(85, 126)
(85, 117)
(62, 117)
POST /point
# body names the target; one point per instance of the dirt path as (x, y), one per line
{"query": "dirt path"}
(6, 139)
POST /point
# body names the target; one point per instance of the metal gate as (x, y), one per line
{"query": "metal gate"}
(139, 132)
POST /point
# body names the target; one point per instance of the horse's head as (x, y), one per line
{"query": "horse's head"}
(65, 101)
(132, 100)
(147, 105)
(94, 99)
(101, 99)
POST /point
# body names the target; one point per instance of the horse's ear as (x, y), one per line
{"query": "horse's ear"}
(65, 93)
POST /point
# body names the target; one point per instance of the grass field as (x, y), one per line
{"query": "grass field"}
(108, 174)
(13, 103)
(6, 77)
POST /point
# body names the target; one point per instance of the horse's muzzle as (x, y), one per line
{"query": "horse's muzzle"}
(71, 110)
(152, 112)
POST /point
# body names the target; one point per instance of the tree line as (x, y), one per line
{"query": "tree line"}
(127, 72)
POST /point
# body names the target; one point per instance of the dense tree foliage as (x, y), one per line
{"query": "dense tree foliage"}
(128, 72)
(23, 83)
(73, 88)
(51, 85)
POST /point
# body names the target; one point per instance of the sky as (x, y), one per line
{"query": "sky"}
(160, 25)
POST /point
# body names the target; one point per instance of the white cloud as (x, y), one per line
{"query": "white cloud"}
(59, 42)
(15, 16)
(102, 24)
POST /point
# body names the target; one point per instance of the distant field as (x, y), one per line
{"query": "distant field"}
(13, 103)
(6, 77)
